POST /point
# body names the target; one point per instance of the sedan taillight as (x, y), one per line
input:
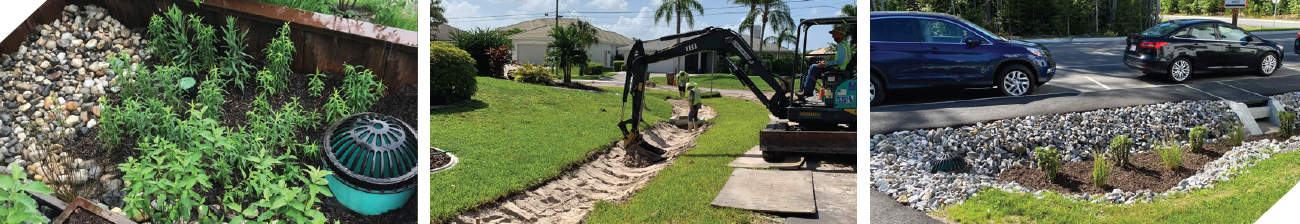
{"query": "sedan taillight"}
(1153, 45)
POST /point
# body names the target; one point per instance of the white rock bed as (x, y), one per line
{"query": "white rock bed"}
(1290, 100)
(901, 161)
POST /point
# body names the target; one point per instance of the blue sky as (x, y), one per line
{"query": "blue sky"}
(634, 19)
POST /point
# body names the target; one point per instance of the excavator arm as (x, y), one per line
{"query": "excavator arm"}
(714, 39)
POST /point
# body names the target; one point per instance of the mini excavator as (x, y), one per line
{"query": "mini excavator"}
(825, 124)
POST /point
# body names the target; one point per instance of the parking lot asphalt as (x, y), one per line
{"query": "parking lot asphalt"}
(1090, 76)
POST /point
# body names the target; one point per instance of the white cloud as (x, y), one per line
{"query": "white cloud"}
(643, 25)
(608, 4)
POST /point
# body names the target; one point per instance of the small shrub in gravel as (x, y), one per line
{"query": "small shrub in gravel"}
(1120, 148)
(1287, 122)
(1196, 138)
(1171, 153)
(1100, 170)
(1049, 159)
(1236, 135)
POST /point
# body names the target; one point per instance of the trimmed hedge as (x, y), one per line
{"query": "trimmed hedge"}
(619, 66)
(451, 74)
(594, 68)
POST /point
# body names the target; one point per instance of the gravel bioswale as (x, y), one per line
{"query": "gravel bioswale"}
(50, 86)
(901, 161)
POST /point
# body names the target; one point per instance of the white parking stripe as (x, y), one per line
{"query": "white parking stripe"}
(1235, 87)
(1203, 91)
(1098, 83)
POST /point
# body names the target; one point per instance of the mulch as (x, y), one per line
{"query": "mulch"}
(1145, 172)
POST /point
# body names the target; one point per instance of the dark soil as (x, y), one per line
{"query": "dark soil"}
(81, 216)
(437, 160)
(1145, 172)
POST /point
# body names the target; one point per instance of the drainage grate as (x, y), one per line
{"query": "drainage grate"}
(372, 151)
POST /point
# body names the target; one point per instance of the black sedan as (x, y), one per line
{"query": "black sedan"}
(1178, 49)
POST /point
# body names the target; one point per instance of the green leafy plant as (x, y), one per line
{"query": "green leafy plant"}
(162, 82)
(1171, 153)
(276, 199)
(1049, 160)
(618, 66)
(453, 74)
(335, 108)
(479, 41)
(279, 56)
(1236, 135)
(133, 118)
(16, 206)
(530, 73)
(315, 85)
(169, 36)
(593, 68)
(361, 88)
(211, 95)
(235, 60)
(1120, 148)
(1196, 138)
(164, 183)
(1100, 170)
(205, 48)
(275, 127)
(1288, 122)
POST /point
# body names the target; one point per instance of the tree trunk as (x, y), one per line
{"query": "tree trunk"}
(751, 27)
(679, 40)
(567, 68)
(762, 31)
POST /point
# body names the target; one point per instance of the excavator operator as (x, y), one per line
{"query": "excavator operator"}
(843, 53)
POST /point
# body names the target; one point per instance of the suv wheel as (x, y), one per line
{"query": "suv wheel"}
(1180, 70)
(876, 93)
(1016, 80)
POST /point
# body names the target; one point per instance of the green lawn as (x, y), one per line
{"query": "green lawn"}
(720, 81)
(591, 77)
(1239, 200)
(1262, 29)
(681, 193)
(514, 136)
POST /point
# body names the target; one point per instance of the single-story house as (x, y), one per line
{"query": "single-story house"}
(530, 44)
(443, 32)
(703, 62)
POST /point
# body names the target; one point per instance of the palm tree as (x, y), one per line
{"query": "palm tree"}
(748, 22)
(849, 10)
(435, 17)
(785, 36)
(681, 9)
(776, 12)
(569, 46)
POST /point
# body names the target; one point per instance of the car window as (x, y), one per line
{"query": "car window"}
(1203, 32)
(1160, 29)
(895, 30)
(937, 31)
(1232, 33)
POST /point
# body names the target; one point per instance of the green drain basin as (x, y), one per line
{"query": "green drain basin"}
(374, 162)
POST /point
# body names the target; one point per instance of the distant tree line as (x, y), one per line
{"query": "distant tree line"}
(1215, 7)
(1042, 17)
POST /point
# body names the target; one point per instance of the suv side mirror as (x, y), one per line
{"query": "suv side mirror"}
(1248, 39)
(973, 41)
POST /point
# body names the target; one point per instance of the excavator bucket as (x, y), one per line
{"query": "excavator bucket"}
(641, 150)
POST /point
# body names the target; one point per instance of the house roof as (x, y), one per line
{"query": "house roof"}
(538, 29)
(443, 32)
(652, 45)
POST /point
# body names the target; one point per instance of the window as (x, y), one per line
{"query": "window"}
(938, 31)
(1160, 29)
(1202, 32)
(1230, 33)
(895, 30)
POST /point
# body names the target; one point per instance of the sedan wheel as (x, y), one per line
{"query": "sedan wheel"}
(1268, 64)
(1016, 81)
(1180, 70)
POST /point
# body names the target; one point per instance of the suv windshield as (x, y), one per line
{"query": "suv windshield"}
(1160, 29)
(981, 30)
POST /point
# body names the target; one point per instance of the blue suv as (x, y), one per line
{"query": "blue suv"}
(915, 49)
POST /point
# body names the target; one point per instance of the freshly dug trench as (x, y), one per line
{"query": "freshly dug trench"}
(570, 197)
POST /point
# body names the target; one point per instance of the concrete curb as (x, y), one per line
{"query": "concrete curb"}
(1104, 39)
(1243, 114)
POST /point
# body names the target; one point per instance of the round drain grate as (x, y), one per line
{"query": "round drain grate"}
(372, 151)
